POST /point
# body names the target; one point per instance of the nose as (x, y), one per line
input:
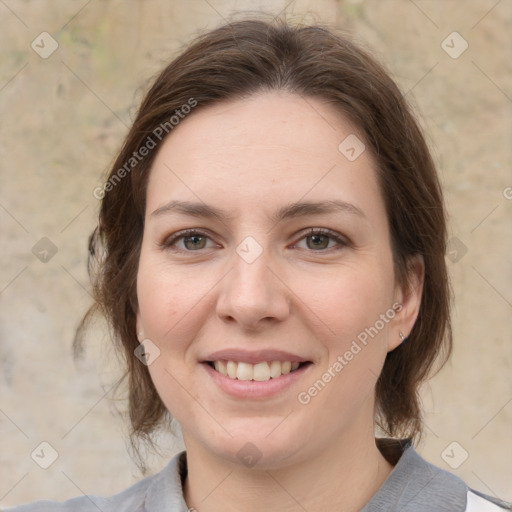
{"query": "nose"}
(253, 295)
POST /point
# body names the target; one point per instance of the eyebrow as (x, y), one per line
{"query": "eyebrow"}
(190, 208)
(293, 210)
(302, 209)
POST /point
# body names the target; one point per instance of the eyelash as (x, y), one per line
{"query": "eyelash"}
(168, 243)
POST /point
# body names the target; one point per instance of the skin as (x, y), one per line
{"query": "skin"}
(249, 158)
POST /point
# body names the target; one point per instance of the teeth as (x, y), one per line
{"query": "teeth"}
(275, 369)
(220, 366)
(260, 371)
(231, 369)
(244, 371)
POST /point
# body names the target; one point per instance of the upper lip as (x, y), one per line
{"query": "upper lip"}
(253, 356)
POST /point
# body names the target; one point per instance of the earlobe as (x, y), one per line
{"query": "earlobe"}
(139, 328)
(408, 295)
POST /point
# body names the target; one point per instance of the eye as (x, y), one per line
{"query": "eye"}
(188, 241)
(320, 239)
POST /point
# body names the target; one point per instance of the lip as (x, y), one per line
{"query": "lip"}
(251, 389)
(253, 356)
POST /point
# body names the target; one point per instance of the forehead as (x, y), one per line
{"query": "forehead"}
(269, 148)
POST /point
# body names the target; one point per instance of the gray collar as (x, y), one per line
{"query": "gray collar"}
(414, 485)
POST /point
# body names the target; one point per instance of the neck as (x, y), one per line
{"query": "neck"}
(346, 475)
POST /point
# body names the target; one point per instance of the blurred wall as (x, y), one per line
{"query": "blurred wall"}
(66, 100)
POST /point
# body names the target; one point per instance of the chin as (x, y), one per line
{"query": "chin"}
(260, 443)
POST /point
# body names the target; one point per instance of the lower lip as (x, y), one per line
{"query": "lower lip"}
(252, 388)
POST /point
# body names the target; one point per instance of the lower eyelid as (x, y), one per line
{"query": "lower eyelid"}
(340, 244)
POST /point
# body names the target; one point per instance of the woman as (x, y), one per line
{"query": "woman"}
(270, 254)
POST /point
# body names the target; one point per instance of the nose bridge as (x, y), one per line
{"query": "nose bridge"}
(252, 292)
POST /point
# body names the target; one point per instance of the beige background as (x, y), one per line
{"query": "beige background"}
(62, 120)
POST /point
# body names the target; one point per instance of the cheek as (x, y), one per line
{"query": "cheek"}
(169, 298)
(171, 312)
(349, 304)
(355, 343)
(348, 300)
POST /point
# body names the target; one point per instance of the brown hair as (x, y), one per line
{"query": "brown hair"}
(237, 60)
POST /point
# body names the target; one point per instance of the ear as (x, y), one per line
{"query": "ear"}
(408, 301)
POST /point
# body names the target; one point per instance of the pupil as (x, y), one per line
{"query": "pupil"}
(194, 242)
(319, 241)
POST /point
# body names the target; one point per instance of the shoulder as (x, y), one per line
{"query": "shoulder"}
(130, 499)
(415, 485)
(146, 495)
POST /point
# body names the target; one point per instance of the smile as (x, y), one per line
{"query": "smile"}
(262, 371)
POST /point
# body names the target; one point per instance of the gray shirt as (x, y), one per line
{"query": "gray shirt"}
(414, 485)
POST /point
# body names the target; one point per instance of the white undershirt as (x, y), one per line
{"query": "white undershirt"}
(478, 504)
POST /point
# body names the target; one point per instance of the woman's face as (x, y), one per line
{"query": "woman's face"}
(266, 243)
